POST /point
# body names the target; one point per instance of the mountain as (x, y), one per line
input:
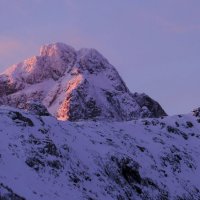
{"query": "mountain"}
(42, 158)
(71, 129)
(74, 85)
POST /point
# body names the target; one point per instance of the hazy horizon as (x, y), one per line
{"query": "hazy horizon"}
(153, 45)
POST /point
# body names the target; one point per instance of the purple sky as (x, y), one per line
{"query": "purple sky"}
(155, 45)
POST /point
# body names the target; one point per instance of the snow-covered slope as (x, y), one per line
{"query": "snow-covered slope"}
(74, 85)
(43, 158)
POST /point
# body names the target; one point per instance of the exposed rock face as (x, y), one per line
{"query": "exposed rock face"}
(196, 112)
(74, 85)
(34, 107)
(7, 194)
(153, 109)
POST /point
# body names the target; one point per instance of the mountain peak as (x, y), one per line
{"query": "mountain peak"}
(91, 54)
(56, 49)
(92, 61)
(74, 85)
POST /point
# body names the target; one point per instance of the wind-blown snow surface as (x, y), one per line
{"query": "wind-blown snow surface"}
(74, 85)
(43, 158)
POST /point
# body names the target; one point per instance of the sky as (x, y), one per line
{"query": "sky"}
(155, 45)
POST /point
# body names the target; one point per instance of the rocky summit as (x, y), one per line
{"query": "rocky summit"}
(74, 85)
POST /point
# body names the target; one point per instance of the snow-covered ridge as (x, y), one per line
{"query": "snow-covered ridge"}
(74, 85)
(43, 158)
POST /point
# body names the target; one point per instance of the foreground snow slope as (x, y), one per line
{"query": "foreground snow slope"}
(43, 158)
